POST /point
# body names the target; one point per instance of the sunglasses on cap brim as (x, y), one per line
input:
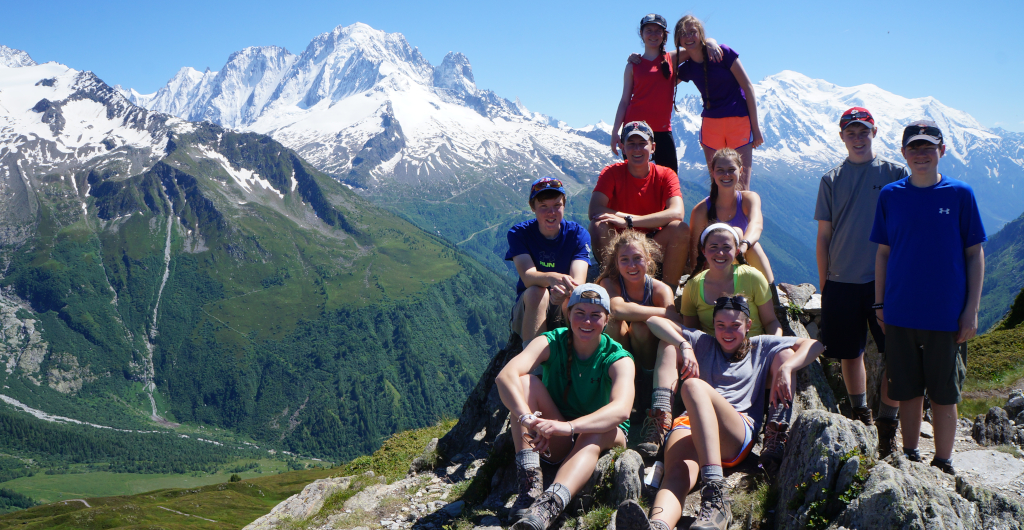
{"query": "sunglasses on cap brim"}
(546, 184)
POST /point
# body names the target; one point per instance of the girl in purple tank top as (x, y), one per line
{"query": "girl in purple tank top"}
(732, 206)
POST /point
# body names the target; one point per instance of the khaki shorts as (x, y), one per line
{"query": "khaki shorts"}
(918, 359)
(519, 313)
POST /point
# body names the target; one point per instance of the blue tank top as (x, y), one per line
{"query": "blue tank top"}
(739, 220)
(648, 290)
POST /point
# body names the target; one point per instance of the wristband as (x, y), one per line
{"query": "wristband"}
(747, 241)
(879, 305)
(572, 430)
(529, 416)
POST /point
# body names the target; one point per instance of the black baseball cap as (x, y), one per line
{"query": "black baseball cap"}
(654, 18)
(922, 130)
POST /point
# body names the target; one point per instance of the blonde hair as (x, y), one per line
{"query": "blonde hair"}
(651, 251)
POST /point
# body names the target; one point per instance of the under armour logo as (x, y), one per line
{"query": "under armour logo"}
(877, 187)
(944, 210)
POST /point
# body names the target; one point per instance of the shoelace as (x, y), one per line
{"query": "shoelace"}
(650, 433)
(715, 501)
(775, 439)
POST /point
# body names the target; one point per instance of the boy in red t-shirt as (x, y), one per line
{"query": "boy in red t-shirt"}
(639, 195)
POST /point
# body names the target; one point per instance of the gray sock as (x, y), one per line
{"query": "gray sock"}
(661, 399)
(658, 524)
(709, 473)
(859, 401)
(887, 412)
(527, 459)
(562, 492)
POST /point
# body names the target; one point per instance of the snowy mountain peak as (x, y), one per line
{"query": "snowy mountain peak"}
(455, 73)
(14, 58)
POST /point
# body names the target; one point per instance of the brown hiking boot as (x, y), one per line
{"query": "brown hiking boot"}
(887, 429)
(864, 415)
(531, 485)
(715, 508)
(774, 447)
(655, 426)
(541, 514)
(631, 516)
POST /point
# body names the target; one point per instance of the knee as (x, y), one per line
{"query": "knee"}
(640, 331)
(678, 233)
(692, 386)
(535, 296)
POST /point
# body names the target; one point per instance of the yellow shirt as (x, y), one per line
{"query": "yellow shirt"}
(746, 281)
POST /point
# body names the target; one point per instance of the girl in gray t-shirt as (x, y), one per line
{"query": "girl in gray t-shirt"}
(723, 377)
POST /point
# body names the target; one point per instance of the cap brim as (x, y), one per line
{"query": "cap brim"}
(912, 139)
(867, 124)
(638, 133)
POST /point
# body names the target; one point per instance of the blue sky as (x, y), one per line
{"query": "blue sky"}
(564, 59)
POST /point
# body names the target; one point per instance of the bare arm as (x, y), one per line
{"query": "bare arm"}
(805, 351)
(620, 112)
(824, 240)
(881, 262)
(605, 418)
(670, 333)
(769, 321)
(560, 284)
(975, 276)
(698, 222)
(633, 312)
(748, 91)
(509, 387)
(600, 212)
(755, 222)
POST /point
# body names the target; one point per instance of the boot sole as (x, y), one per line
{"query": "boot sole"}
(529, 522)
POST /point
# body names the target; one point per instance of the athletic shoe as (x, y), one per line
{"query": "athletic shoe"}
(715, 508)
(946, 467)
(531, 486)
(913, 457)
(653, 432)
(887, 429)
(864, 415)
(774, 447)
(541, 514)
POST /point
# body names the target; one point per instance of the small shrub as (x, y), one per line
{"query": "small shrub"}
(235, 478)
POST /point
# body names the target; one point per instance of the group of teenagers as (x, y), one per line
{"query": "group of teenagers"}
(898, 253)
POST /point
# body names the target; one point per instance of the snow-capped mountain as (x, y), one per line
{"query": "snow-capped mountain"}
(364, 105)
(13, 58)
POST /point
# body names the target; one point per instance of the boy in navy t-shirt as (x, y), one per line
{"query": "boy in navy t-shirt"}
(928, 275)
(550, 254)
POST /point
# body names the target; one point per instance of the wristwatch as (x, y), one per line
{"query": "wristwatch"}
(629, 222)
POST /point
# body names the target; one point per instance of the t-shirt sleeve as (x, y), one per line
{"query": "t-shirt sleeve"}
(606, 182)
(772, 346)
(582, 252)
(683, 71)
(971, 230)
(516, 242)
(878, 233)
(671, 183)
(823, 208)
(729, 56)
(687, 306)
(757, 285)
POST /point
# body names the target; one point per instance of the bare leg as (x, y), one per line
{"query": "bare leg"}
(679, 478)
(579, 466)
(535, 312)
(747, 156)
(854, 375)
(666, 373)
(709, 153)
(643, 345)
(911, 412)
(600, 235)
(885, 391)
(944, 417)
(757, 259)
(618, 330)
(539, 399)
(674, 240)
(717, 427)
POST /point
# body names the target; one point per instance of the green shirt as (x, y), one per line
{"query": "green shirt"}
(591, 386)
(746, 280)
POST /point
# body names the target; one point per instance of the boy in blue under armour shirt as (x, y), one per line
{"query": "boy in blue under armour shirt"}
(928, 274)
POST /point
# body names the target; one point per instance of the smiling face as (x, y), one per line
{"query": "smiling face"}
(923, 156)
(653, 35)
(632, 262)
(587, 321)
(638, 151)
(731, 327)
(857, 138)
(720, 249)
(689, 32)
(726, 172)
(549, 215)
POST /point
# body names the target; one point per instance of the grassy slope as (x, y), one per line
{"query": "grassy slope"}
(1004, 262)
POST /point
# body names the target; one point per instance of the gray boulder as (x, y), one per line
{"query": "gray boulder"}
(301, 506)
(629, 478)
(1014, 405)
(994, 428)
(798, 294)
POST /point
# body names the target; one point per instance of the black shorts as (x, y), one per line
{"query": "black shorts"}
(846, 316)
(920, 359)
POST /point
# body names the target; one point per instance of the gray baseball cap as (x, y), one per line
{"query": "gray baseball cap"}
(603, 299)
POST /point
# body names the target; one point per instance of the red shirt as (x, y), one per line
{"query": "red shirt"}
(638, 196)
(652, 95)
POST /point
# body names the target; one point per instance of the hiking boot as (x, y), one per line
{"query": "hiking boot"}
(631, 516)
(946, 467)
(863, 414)
(541, 514)
(715, 508)
(774, 447)
(887, 429)
(531, 486)
(653, 432)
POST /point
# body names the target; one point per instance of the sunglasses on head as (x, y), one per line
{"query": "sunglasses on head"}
(737, 302)
(545, 184)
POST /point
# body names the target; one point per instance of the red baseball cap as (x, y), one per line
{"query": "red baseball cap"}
(856, 115)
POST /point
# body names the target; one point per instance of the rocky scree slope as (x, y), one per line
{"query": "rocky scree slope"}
(205, 275)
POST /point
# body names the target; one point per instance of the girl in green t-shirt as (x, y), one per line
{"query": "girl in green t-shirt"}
(578, 408)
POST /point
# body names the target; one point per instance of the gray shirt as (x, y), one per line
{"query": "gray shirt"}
(741, 383)
(847, 197)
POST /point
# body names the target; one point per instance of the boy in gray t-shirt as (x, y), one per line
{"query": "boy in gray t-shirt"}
(845, 212)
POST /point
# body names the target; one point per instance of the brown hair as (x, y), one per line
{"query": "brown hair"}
(549, 194)
(698, 26)
(723, 153)
(650, 249)
(702, 261)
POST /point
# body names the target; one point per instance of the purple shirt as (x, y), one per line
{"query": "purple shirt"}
(727, 99)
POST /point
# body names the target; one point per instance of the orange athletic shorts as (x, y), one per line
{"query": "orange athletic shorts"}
(683, 422)
(734, 132)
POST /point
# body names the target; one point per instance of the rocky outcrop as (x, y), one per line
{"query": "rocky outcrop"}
(303, 505)
(993, 428)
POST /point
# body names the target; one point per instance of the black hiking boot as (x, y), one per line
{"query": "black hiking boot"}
(715, 508)
(887, 429)
(541, 514)
(656, 425)
(531, 486)
(774, 447)
(946, 467)
(863, 414)
(631, 516)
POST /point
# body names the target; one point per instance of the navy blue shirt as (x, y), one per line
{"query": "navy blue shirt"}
(549, 255)
(927, 230)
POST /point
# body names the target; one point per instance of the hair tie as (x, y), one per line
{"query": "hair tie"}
(716, 226)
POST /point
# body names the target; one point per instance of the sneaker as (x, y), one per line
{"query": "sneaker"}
(653, 432)
(531, 486)
(887, 429)
(774, 447)
(946, 467)
(913, 456)
(715, 508)
(541, 514)
(864, 415)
